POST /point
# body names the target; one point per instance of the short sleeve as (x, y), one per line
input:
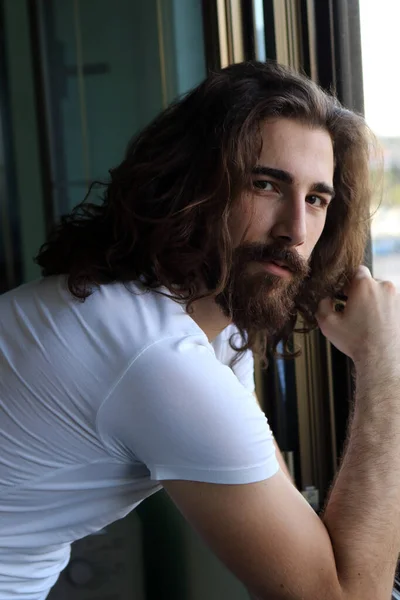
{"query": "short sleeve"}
(185, 415)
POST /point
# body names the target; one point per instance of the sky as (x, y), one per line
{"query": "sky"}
(380, 40)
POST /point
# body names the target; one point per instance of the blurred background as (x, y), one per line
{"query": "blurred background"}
(78, 79)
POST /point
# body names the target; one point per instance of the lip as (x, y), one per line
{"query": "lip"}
(275, 269)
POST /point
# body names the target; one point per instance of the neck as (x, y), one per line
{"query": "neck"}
(209, 317)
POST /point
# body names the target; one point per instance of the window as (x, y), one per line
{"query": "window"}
(379, 37)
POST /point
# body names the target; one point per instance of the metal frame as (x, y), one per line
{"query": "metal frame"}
(269, 30)
(44, 150)
(287, 21)
(230, 32)
(211, 35)
(10, 243)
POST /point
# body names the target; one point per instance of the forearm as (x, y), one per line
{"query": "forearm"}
(363, 512)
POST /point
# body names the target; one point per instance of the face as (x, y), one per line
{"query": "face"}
(278, 223)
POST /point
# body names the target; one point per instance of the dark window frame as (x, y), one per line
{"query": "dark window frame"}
(11, 274)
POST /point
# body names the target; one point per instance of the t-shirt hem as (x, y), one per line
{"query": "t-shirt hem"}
(233, 476)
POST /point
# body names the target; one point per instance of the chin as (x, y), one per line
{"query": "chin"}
(259, 301)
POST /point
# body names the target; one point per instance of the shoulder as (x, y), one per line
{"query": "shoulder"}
(242, 364)
(128, 315)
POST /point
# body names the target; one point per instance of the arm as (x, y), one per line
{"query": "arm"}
(269, 536)
(362, 515)
(279, 457)
(282, 462)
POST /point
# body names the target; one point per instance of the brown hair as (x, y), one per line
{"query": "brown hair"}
(164, 213)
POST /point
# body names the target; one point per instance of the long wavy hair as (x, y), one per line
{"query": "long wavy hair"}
(164, 213)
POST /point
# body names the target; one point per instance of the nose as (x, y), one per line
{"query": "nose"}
(290, 224)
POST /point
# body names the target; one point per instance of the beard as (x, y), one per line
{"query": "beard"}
(256, 299)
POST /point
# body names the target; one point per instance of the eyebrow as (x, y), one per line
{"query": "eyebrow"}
(286, 177)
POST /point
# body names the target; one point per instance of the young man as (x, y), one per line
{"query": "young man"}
(130, 365)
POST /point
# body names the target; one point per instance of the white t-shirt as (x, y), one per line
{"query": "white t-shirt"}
(99, 402)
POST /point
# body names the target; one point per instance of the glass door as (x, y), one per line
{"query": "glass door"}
(108, 67)
(23, 220)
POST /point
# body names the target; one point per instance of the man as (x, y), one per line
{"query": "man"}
(129, 366)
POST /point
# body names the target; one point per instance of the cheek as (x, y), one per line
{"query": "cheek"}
(261, 218)
(314, 232)
(257, 230)
(241, 221)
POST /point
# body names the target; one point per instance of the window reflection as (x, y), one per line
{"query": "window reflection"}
(379, 36)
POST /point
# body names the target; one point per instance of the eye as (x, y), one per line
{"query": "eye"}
(317, 201)
(265, 186)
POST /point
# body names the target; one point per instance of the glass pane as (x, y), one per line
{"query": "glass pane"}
(110, 66)
(259, 29)
(379, 35)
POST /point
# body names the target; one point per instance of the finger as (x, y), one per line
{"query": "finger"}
(325, 309)
(362, 273)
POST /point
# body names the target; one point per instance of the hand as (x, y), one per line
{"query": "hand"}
(369, 326)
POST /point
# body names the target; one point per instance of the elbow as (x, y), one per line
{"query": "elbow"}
(326, 590)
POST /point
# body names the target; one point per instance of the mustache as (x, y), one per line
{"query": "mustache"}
(274, 252)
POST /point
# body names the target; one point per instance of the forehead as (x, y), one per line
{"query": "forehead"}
(305, 152)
